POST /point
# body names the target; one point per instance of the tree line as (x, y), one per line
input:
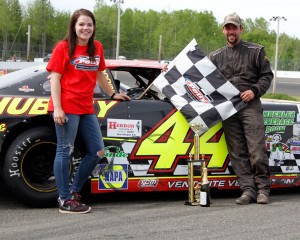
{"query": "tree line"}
(143, 34)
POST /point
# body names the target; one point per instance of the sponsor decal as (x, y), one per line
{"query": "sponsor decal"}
(3, 72)
(124, 128)
(14, 169)
(113, 151)
(295, 149)
(148, 182)
(113, 176)
(26, 89)
(195, 92)
(109, 81)
(282, 181)
(3, 127)
(214, 183)
(277, 121)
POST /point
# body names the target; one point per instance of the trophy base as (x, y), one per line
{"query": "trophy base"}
(192, 203)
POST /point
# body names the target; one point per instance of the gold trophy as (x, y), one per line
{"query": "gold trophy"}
(194, 192)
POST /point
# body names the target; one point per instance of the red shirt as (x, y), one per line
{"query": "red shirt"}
(78, 76)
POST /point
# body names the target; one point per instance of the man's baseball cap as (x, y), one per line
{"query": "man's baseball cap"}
(234, 19)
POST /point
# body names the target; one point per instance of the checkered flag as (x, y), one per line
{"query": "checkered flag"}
(197, 89)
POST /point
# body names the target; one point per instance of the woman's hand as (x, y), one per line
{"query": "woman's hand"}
(120, 96)
(59, 116)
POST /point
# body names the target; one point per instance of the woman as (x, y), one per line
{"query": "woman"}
(76, 64)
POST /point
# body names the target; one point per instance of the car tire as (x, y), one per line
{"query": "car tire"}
(28, 167)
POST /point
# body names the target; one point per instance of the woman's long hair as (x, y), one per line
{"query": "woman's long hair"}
(71, 36)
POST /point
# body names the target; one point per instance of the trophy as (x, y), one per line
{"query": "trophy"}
(194, 192)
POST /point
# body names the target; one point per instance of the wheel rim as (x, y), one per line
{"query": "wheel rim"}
(37, 167)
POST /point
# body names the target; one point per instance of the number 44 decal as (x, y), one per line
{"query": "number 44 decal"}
(172, 140)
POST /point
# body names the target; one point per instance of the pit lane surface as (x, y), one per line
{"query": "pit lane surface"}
(288, 86)
(155, 216)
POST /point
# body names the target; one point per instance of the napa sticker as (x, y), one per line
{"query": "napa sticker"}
(113, 176)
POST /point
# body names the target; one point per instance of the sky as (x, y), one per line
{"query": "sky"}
(220, 8)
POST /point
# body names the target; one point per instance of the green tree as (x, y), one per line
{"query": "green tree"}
(11, 18)
(140, 31)
(40, 14)
(15, 24)
(106, 26)
(57, 28)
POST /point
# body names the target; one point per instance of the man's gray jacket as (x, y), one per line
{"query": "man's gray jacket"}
(245, 65)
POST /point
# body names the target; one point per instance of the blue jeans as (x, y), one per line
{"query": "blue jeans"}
(87, 128)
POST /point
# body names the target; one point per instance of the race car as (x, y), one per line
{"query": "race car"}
(147, 140)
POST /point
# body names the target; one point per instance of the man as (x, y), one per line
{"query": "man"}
(246, 66)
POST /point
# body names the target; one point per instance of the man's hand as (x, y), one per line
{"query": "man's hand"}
(247, 96)
(165, 68)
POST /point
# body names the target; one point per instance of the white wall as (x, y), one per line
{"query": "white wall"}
(17, 65)
(287, 74)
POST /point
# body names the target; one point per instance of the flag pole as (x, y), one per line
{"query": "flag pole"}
(145, 91)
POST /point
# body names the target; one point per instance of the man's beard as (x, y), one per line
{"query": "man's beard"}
(232, 39)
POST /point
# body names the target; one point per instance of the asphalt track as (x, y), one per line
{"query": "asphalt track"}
(156, 216)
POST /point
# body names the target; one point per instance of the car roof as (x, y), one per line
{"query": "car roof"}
(113, 63)
(19, 75)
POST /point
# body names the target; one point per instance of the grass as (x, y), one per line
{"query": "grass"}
(281, 96)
